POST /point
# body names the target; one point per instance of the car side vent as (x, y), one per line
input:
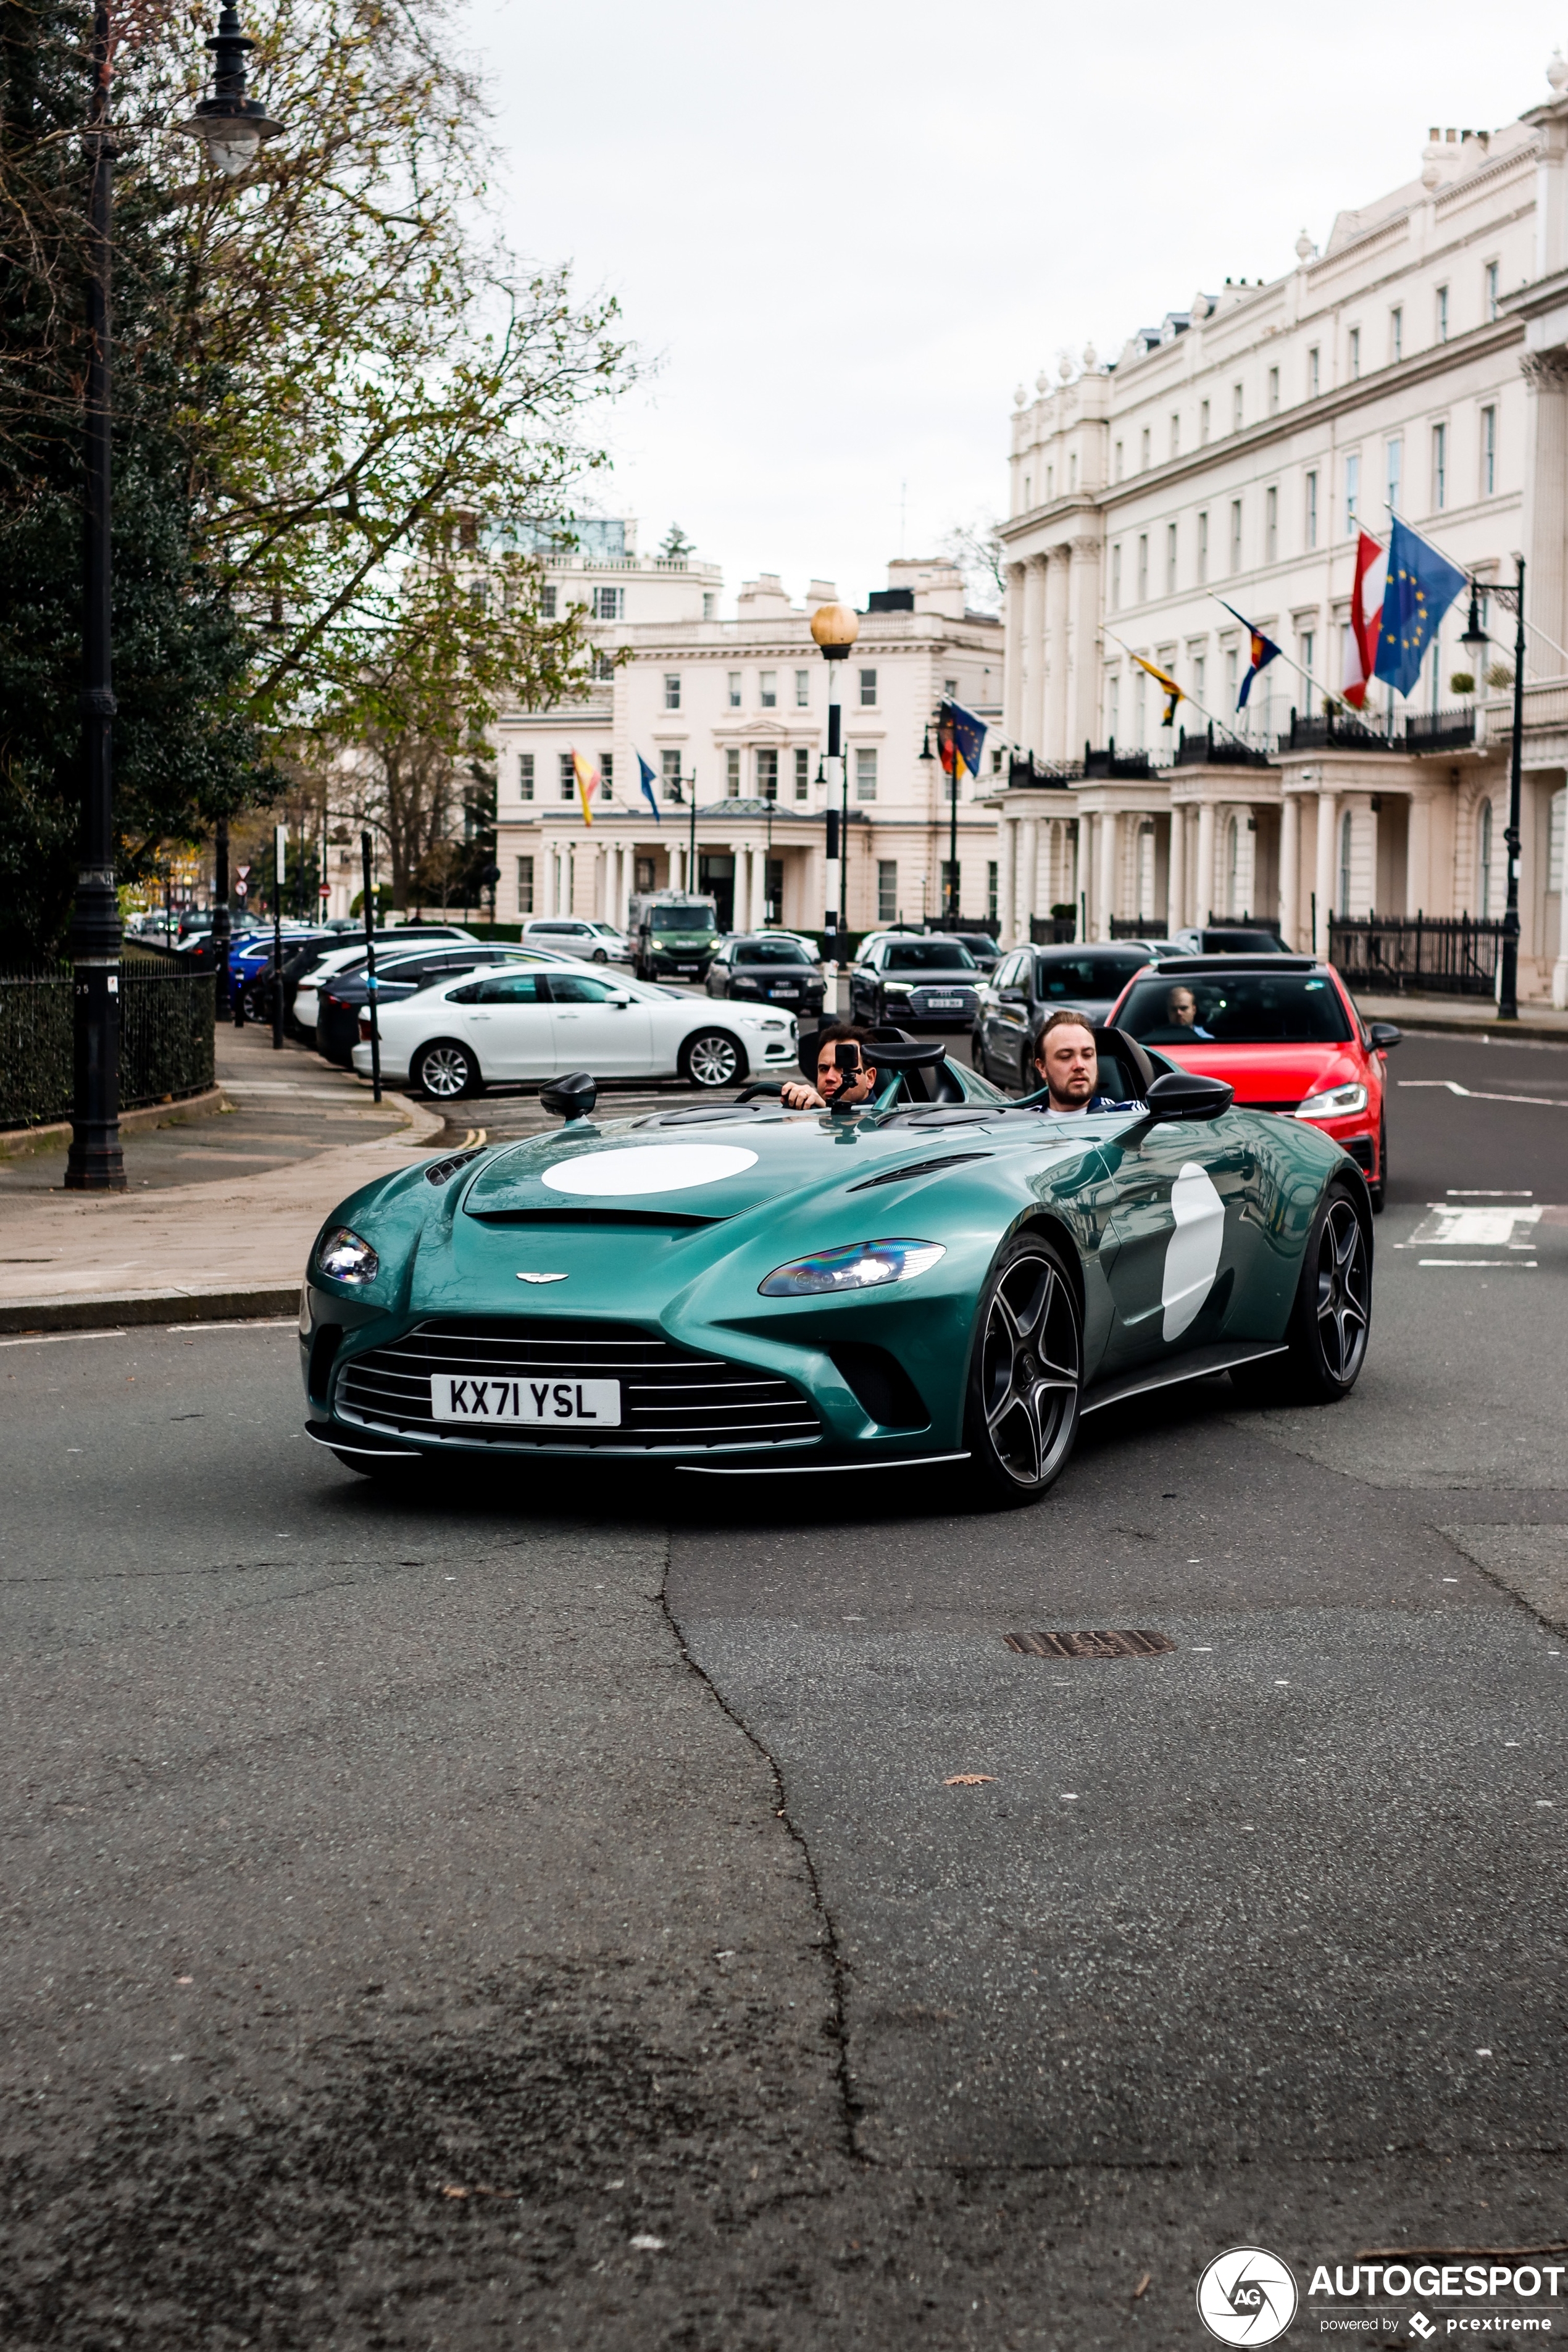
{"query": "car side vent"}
(323, 1349)
(439, 1171)
(881, 1385)
(907, 1174)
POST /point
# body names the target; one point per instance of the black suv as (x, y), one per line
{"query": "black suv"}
(1030, 984)
(772, 971)
(932, 983)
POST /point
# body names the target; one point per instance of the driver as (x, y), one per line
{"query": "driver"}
(836, 1089)
(1068, 1066)
(1182, 1013)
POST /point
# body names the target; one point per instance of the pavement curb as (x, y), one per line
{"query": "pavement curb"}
(150, 1306)
(15, 1141)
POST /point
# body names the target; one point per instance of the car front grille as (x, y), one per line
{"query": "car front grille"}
(671, 1398)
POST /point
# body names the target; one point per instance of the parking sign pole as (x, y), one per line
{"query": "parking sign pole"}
(370, 969)
(280, 871)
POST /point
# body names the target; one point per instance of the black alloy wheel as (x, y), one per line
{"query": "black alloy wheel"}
(1026, 1375)
(712, 1058)
(601, 955)
(446, 1070)
(1332, 1314)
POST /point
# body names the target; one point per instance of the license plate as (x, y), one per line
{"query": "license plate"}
(784, 992)
(560, 1403)
(944, 1003)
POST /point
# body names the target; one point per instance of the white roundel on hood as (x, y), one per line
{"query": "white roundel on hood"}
(1192, 1256)
(647, 1167)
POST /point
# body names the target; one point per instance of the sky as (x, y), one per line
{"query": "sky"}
(841, 232)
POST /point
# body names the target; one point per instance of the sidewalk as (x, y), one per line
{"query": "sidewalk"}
(1537, 1023)
(195, 1237)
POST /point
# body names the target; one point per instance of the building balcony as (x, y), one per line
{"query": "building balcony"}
(1048, 775)
(1207, 750)
(1115, 764)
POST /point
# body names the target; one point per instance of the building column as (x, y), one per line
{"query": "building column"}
(1418, 893)
(1108, 843)
(1012, 655)
(1054, 731)
(1546, 489)
(1560, 968)
(1083, 705)
(1289, 867)
(759, 886)
(1203, 881)
(1034, 719)
(1328, 811)
(1030, 848)
(1007, 879)
(1176, 873)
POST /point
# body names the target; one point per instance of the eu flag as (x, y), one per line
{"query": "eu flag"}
(1422, 584)
(962, 737)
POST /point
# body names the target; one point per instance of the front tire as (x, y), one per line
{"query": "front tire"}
(1332, 1315)
(600, 956)
(712, 1058)
(1025, 1374)
(446, 1071)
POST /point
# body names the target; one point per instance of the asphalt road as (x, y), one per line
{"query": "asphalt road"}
(412, 1906)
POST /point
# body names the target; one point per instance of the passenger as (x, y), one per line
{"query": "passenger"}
(1182, 1013)
(1068, 1066)
(836, 1089)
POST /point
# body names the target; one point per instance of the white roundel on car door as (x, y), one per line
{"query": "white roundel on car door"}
(1192, 1256)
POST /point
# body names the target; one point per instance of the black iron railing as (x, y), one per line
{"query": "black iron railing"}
(1112, 762)
(1439, 730)
(1417, 955)
(1048, 775)
(1052, 930)
(1326, 734)
(1128, 927)
(1212, 751)
(165, 1041)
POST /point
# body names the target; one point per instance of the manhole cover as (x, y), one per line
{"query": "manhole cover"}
(1131, 1644)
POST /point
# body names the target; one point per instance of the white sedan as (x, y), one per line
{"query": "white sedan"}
(505, 1026)
(571, 935)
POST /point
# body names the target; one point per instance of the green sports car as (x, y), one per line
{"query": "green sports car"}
(942, 1276)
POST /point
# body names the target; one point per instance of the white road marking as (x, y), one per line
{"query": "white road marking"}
(1551, 1102)
(1478, 1228)
(1514, 1264)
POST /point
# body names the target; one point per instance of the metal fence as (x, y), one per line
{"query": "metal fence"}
(165, 1041)
(1417, 955)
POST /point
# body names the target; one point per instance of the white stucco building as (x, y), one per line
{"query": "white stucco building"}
(1418, 362)
(733, 714)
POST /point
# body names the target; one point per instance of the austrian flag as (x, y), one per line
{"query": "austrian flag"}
(1366, 611)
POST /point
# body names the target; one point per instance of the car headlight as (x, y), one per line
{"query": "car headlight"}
(1336, 1102)
(898, 988)
(750, 985)
(346, 1257)
(859, 1266)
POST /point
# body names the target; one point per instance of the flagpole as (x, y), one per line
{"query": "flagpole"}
(1279, 650)
(1186, 696)
(1560, 651)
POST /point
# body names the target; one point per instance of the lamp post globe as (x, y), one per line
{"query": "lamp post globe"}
(834, 627)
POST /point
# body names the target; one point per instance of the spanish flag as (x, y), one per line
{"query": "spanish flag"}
(1167, 685)
(587, 782)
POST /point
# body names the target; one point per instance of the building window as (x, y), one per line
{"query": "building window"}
(1271, 525)
(1492, 290)
(991, 887)
(1235, 408)
(734, 685)
(1072, 470)
(1314, 372)
(1235, 535)
(887, 889)
(671, 690)
(1029, 492)
(1050, 484)
(731, 775)
(1344, 906)
(950, 688)
(1142, 567)
(1202, 549)
(1352, 496)
(606, 776)
(609, 603)
(669, 774)
(1488, 451)
(767, 775)
(1113, 705)
(1200, 672)
(1312, 510)
(601, 663)
(867, 689)
(1116, 578)
(1355, 350)
(568, 777)
(866, 775)
(1175, 436)
(525, 776)
(1170, 558)
(1203, 420)
(768, 688)
(1144, 450)
(1442, 314)
(803, 689)
(547, 604)
(709, 608)
(1273, 392)
(1308, 645)
(1118, 463)
(525, 886)
(1439, 467)
(1395, 453)
(1557, 809)
(1396, 334)
(1139, 708)
(1230, 678)
(645, 873)
(803, 775)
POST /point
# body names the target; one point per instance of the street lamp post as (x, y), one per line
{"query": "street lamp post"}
(1474, 640)
(835, 628)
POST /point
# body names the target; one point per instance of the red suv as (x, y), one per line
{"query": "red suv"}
(1283, 1031)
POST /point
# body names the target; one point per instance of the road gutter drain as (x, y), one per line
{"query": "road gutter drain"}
(1130, 1644)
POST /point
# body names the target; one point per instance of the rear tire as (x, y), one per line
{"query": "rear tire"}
(446, 1071)
(1025, 1374)
(1332, 1315)
(712, 1058)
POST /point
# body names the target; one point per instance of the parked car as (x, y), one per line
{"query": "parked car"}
(502, 1027)
(1031, 984)
(350, 956)
(571, 935)
(674, 934)
(343, 998)
(981, 946)
(1226, 939)
(772, 967)
(1283, 1032)
(915, 980)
